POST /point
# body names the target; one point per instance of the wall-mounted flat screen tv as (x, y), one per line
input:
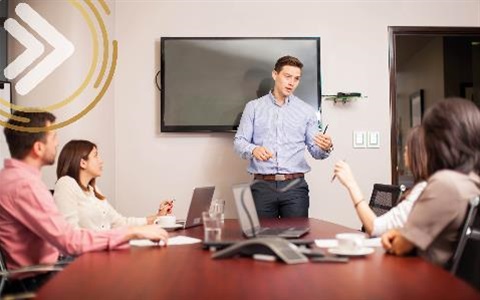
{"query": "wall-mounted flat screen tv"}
(206, 82)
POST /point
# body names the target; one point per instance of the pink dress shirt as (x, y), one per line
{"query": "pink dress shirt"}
(32, 230)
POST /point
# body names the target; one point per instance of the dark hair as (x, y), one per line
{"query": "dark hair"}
(287, 61)
(69, 162)
(417, 156)
(19, 141)
(452, 136)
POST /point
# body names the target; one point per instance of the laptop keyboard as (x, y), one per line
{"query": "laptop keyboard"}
(274, 231)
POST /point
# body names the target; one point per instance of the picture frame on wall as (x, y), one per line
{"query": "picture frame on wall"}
(416, 108)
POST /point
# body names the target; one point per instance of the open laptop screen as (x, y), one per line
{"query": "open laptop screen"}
(245, 223)
(201, 200)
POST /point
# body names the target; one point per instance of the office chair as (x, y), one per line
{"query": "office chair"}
(384, 197)
(465, 262)
(11, 275)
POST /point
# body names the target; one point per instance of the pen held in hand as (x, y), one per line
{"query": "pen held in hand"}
(333, 177)
(325, 130)
(165, 204)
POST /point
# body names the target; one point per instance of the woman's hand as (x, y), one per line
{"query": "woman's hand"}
(387, 239)
(166, 208)
(344, 174)
(394, 242)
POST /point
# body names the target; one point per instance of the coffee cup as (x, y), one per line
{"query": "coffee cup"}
(166, 221)
(350, 241)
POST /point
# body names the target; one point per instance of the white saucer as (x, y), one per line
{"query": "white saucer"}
(171, 227)
(345, 252)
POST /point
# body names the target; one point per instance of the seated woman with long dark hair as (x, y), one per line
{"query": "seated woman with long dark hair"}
(452, 140)
(77, 196)
(416, 161)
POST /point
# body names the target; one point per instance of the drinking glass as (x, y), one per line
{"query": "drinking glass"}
(218, 206)
(212, 226)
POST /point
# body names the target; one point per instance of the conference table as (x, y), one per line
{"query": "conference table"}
(189, 272)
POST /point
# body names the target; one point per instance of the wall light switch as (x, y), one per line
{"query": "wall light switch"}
(373, 140)
(359, 139)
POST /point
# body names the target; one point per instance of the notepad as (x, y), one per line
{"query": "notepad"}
(173, 241)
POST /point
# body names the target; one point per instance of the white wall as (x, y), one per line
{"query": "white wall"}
(354, 49)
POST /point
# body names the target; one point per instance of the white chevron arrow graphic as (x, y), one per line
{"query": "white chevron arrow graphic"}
(33, 49)
(63, 49)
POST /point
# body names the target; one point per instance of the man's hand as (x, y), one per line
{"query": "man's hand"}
(152, 232)
(262, 153)
(324, 141)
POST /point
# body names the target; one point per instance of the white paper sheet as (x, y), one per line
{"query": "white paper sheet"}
(176, 240)
(332, 243)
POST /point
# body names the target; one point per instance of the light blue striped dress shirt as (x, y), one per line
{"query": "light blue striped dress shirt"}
(284, 130)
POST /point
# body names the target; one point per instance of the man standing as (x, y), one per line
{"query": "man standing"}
(32, 230)
(273, 133)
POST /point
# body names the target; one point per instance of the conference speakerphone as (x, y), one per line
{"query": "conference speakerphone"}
(217, 245)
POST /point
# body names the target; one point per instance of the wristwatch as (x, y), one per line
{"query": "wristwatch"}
(330, 149)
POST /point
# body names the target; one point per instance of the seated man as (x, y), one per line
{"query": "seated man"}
(32, 230)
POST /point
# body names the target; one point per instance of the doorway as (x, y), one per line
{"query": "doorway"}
(428, 64)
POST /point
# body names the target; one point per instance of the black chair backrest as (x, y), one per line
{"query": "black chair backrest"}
(469, 232)
(384, 197)
(3, 263)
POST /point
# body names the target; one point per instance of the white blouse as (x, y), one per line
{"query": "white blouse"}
(397, 216)
(84, 210)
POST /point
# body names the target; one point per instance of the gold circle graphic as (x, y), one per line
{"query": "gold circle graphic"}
(86, 81)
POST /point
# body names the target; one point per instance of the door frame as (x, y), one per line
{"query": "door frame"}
(393, 32)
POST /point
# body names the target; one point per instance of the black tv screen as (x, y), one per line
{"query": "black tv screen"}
(206, 82)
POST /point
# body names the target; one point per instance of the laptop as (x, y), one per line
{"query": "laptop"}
(201, 200)
(249, 218)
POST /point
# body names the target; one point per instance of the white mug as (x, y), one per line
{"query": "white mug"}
(166, 221)
(350, 241)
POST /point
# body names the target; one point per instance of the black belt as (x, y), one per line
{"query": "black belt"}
(278, 177)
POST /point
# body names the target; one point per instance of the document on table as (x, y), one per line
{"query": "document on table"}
(332, 243)
(176, 240)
